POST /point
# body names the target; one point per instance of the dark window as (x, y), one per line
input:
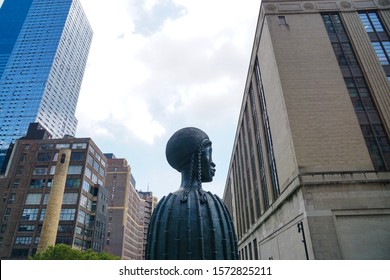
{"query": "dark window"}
(46, 147)
(77, 156)
(19, 253)
(26, 228)
(12, 198)
(65, 228)
(282, 20)
(7, 214)
(37, 183)
(255, 250)
(72, 182)
(267, 132)
(44, 157)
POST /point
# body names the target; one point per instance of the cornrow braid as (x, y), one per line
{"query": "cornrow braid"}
(200, 149)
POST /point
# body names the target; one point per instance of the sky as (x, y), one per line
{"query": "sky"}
(156, 66)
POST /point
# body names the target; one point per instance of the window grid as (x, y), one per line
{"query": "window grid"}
(380, 40)
(259, 148)
(267, 132)
(365, 109)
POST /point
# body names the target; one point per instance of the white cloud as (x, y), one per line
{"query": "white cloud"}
(157, 66)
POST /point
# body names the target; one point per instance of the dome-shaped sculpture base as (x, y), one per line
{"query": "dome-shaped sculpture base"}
(192, 225)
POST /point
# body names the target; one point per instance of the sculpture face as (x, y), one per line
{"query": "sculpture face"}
(208, 166)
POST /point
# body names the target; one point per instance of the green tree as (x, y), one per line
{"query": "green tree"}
(65, 252)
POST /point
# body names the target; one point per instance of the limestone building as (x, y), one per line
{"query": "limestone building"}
(26, 187)
(311, 156)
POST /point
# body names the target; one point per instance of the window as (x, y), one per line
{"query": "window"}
(94, 178)
(267, 132)
(67, 214)
(23, 240)
(19, 253)
(29, 214)
(382, 50)
(256, 252)
(282, 20)
(70, 198)
(16, 183)
(88, 173)
(96, 165)
(371, 21)
(37, 183)
(86, 202)
(74, 169)
(380, 39)
(86, 186)
(26, 227)
(46, 147)
(62, 146)
(370, 122)
(77, 156)
(72, 183)
(43, 157)
(79, 146)
(33, 199)
(19, 170)
(65, 228)
(49, 183)
(40, 171)
(43, 214)
(23, 157)
(90, 159)
(81, 217)
(7, 214)
(12, 198)
(92, 150)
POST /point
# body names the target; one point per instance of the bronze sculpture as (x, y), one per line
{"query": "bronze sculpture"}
(191, 224)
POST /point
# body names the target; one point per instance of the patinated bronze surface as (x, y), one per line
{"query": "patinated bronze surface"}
(191, 223)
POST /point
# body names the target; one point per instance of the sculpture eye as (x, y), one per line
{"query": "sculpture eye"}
(63, 156)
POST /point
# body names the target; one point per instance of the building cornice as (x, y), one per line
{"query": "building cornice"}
(285, 7)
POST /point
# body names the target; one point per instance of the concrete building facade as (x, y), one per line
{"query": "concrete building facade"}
(26, 190)
(311, 156)
(129, 212)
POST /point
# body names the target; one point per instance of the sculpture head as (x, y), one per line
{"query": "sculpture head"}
(189, 149)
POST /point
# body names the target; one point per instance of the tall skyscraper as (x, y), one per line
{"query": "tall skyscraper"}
(311, 157)
(44, 46)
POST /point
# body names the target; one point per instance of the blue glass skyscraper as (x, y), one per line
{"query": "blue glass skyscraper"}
(44, 46)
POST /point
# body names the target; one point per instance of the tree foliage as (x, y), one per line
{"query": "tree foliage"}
(65, 252)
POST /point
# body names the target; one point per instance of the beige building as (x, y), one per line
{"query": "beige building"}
(129, 211)
(311, 156)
